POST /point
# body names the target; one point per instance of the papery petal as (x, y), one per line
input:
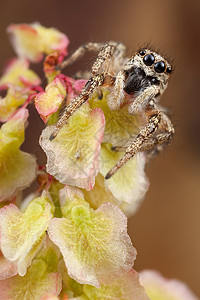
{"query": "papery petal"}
(82, 297)
(34, 285)
(32, 41)
(25, 260)
(10, 103)
(77, 86)
(158, 287)
(16, 200)
(27, 200)
(14, 128)
(99, 195)
(52, 39)
(70, 286)
(130, 183)
(16, 174)
(127, 287)
(54, 189)
(73, 156)
(21, 234)
(50, 297)
(17, 168)
(49, 101)
(121, 127)
(17, 73)
(69, 197)
(7, 268)
(95, 244)
(26, 42)
(50, 253)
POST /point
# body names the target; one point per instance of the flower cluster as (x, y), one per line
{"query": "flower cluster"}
(68, 239)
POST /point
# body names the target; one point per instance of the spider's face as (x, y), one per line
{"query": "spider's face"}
(144, 69)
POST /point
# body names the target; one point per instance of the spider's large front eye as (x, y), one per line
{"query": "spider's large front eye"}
(160, 67)
(149, 59)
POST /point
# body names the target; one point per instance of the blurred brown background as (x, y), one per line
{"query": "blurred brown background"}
(166, 229)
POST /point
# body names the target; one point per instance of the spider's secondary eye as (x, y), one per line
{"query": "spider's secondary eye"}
(168, 70)
(154, 80)
(126, 73)
(160, 67)
(149, 59)
(142, 52)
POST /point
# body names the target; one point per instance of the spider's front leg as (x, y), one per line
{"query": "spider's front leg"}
(94, 82)
(116, 97)
(140, 102)
(156, 143)
(145, 134)
(109, 58)
(146, 139)
(79, 53)
(107, 51)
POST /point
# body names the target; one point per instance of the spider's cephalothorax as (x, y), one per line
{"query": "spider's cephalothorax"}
(146, 69)
(144, 77)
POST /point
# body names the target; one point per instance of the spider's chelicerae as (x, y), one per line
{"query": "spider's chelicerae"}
(144, 77)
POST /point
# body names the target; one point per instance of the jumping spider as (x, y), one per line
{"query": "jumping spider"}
(144, 77)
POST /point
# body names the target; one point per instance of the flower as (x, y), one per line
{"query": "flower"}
(9, 104)
(32, 41)
(73, 156)
(129, 184)
(56, 91)
(94, 243)
(127, 287)
(22, 233)
(7, 268)
(158, 287)
(48, 102)
(18, 74)
(37, 283)
(18, 168)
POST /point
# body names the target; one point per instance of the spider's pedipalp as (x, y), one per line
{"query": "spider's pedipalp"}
(116, 97)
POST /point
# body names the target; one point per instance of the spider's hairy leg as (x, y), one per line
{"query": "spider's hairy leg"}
(145, 134)
(109, 58)
(79, 53)
(116, 98)
(94, 82)
(118, 149)
(106, 50)
(140, 103)
(155, 144)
